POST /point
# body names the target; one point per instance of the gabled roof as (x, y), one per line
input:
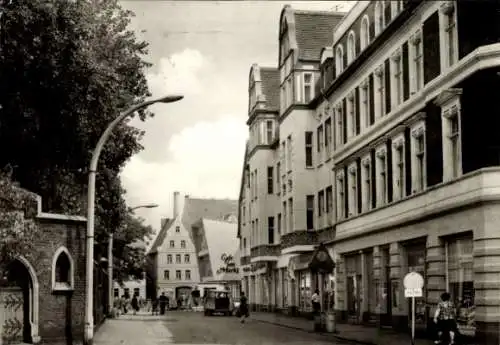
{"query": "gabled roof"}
(221, 239)
(270, 77)
(213, 209)
(160, 237)
(314, 30)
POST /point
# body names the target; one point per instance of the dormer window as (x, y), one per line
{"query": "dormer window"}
(308, 87)
(379, 17)
(339, 60)
(351, 47)
(365, 33)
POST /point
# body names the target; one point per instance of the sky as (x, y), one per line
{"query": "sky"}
(202, 50)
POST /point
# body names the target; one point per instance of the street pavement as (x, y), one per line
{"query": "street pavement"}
(179, 327)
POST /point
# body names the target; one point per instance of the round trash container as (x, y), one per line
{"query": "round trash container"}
(330, 322)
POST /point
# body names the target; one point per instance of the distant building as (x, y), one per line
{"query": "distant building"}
(131, 287)
(172, 259)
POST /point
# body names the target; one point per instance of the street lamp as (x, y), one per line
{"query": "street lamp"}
(111, 296)
(89, 312)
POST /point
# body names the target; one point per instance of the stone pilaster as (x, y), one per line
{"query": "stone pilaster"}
(378, 279)
(436, 270)
(365, 287)
(397, 265)
(340, 289)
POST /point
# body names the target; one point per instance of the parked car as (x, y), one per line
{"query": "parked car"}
(218, 302)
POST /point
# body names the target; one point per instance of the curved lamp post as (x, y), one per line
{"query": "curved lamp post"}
(89, 303)
(111, 296)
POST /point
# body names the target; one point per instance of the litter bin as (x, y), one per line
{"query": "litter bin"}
(330, 322)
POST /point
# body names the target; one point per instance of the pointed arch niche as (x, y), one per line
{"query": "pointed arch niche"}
(62, 271)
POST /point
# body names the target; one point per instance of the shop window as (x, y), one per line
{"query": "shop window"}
(459, 254)
(62, 270)
(305, 293)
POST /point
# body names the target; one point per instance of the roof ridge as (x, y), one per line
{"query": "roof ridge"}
(269, 68)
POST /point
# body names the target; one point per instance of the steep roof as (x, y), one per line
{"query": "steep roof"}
(242, 185)
(270, 77)
(160, 237)
(221, 239)
(314, 30)
(212, 209)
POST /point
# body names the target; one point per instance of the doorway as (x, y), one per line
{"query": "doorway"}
(354, 297)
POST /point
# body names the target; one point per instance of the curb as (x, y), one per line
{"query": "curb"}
(324, 334)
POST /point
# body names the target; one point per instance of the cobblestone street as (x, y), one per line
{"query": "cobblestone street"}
(195, 328)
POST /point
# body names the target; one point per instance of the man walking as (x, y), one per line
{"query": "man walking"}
(243, 307)
(163, 303)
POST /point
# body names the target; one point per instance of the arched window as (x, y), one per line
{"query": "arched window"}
(365, 33)
(351, 47)
(379, 17)
(62, 270)
(339, 60)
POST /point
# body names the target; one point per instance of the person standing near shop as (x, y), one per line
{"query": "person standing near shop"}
(163, 303)
(445, 319)
(315, 301)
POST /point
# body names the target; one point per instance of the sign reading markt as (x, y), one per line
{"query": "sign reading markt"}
(228, 265)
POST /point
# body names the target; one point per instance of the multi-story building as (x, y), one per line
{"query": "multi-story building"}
(173, 259)
(382, 150)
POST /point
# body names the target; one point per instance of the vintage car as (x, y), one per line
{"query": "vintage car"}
(218, 302)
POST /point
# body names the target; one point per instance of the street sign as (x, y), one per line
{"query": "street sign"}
(413, 283)
(414, 293)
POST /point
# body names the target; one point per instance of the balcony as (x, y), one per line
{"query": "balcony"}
(298, 242)
(245, 260)
(475, 187)
(265, 253)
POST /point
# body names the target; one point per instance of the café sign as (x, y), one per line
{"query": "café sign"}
(228, 265)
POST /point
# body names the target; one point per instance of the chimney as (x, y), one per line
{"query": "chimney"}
(163, 221)
(176, 204)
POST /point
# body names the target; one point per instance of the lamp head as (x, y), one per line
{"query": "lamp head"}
(170, 99)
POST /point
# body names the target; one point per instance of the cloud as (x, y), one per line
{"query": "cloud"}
(206, 161)
(178, 73)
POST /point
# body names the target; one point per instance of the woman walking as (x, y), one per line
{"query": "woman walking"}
(244, 314)
(445, 319)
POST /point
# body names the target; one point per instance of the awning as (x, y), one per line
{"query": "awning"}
(284, 260)
(320, 260)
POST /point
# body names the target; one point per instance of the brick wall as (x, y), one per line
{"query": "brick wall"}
(61, 312)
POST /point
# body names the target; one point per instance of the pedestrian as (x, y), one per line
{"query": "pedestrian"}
(445, 319)
(243, 310)
(124, 303)
(315, 301)
(135, 304)
(154, 306)
(163, 303)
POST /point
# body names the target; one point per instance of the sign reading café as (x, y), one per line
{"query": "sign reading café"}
(228, 265)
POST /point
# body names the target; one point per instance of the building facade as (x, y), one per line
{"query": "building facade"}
(384, 151)
(133, 287)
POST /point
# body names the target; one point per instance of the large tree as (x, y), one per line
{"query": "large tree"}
(66, 70)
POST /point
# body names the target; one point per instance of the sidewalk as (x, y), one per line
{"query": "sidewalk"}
(133, 330)
(361, 334)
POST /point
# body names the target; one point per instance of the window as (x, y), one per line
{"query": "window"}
(289, 152)
(289, 91)
(137, 291)
(366, 176)
(62, 270)
(270, 181)
(308, 87)
(269, 131)
(379, 17)
(380, 99)
(397, 81)
(365, 33)
(399, 170)
(396, 7)
(416, 63)
(290, 214)
(450, 33)
(116, 292)
(353, 185)
(166, 275)
(177, 258)
(285, 219)
(177, 229)
(255, 185)
(178, 275)
(329, 199)
(365, 104)
(418, 166)
(382, 177)
(454, 137)
(172, 244)
(187, 274)
(321, 203)
(309, 149)
(351, 47)
(183, 244)
(126, 292)
(278, 173)
(270, 230)
(169, 258)
(351, 123)
(340, 197)
(320, 138)
(187, 259)
(339, 60)
(244, 242)
(279, 223)
(340, 125)
(328, 134)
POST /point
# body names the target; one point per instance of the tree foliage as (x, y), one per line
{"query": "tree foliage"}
(66, 70)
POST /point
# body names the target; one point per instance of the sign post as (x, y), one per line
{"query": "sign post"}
(413, 283)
